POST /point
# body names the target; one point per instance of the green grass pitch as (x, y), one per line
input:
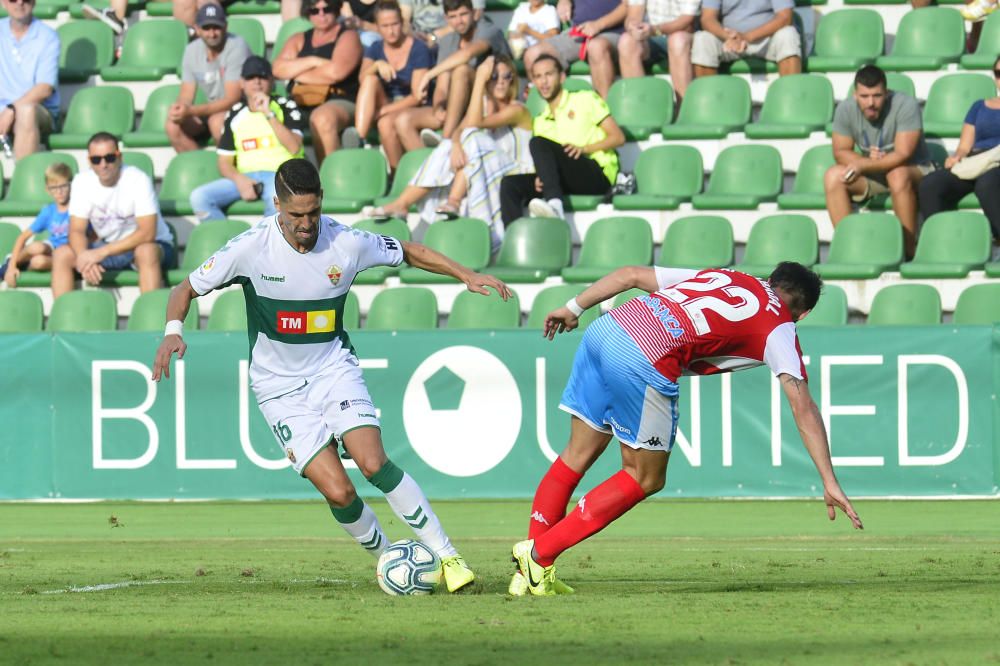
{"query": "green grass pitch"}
(673, 582)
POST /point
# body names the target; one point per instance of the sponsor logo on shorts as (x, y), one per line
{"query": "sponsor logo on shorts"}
(362, 402)
(314, 321)
(334, 272)
(653, 441)
(344, 404)
(366, 415)
(291, 455)
(618, 426)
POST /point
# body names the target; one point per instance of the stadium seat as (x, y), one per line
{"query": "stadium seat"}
(205, 239)
(533, 249)
(666, 176)
(86, 310)
(20, 311)
(847, 39)
(465, 240)
(251, 30)
(744, 177)
(713, 107)
(151, 50)
(26, 194)
(641, 105)
(403, 309)
(352, 312)
(626, 296)
(988, 47)
(149, 312)
(141, 161)
(905, 305)
(98, 109)
(475, 311)
(229, 312)
(864, 246)
(85, 47)
(185, 172)
(697, 241)
(252, 7)
(927, 39)
(795, 107)
(394, 227)
(949, 100)
(978, 304)
(535, 103)
(288, 28)
(830, 310)
(151, 132)
(610, 243)
(778, 238)
(554, 297)
(352, 179)
(807, 190)
(8, 236)
(405, 171)
(950, 245)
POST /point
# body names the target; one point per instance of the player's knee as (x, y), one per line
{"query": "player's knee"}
(834, 177)
(653, 483)
(340, 498)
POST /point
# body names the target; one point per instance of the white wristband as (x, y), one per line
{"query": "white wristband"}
(574, 307)
(174, 327)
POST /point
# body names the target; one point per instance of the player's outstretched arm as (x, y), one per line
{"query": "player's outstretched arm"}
(813, 433)
(421, 256)
(177, 310)
(566, 318)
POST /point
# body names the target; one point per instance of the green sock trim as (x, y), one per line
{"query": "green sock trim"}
(387, 478)
(349, 514)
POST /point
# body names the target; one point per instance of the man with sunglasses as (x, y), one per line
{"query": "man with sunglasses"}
(119, 205)
(211, 65)
(29, 77)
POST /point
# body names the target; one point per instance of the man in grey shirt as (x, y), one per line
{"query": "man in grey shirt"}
(212, 64)
(878, 143)
(736, 29)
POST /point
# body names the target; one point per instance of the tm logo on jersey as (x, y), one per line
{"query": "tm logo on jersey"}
(662, 312)
(315, 321)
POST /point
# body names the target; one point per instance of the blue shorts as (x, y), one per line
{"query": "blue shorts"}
(614, 388)
(125, 260)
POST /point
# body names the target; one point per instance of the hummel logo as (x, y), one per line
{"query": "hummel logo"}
(537, 515)
(653, 441)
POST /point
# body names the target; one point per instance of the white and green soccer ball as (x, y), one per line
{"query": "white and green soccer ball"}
(408, 567)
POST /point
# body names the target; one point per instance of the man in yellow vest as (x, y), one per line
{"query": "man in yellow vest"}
(260, 133)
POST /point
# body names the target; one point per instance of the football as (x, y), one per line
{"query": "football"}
(408, 567)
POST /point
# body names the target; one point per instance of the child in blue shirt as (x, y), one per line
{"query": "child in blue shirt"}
(54, 218)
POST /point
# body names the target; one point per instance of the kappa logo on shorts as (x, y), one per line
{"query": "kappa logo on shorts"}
(653, 441)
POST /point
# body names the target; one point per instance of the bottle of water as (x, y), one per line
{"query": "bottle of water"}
(5, 143)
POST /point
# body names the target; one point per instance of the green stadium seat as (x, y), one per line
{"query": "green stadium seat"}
(830, 310)
(475, 311)
(407, 168)
(465, 240)
(535, 103)
(87, 310)
(185, 172)
(610, 243)
(26, 194)
(554, 297)
(905, 305)
(158, 9)
(585, 202)
(352, 312)
(251, 30)
(141, 161)
(950, 245)
(641, 105)
(626, 296)
(151, 50)
(206, 238)
(988, 47)
(403, 309)
(927, 39)
(251, 7)
(697, 241)
(352, 179)
(795, 107)
(949, 100)
(8, 236)
(744, 177)
(533, 249)
(394, 227)
(847, 39)
(85, 47)
(978, 304)
(864, 246)
(807, 190)
(100, 109)
(778, 238)
(288, 28)
(151, 132)
(666, 176)
(149, 312)
(229, 312)
(20, 311)
(713, 107)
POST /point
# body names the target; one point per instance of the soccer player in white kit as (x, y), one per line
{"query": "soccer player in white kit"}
(296, 268)
(624, 383)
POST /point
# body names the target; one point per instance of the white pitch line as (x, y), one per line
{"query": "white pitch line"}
(101, 587)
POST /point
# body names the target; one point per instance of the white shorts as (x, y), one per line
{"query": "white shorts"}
(306, 420)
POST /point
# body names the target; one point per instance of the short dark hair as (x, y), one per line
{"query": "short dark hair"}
(799, 284)
(387, 6)
(453, 5)
(547, 56)
(870, 76)
(296, 176)
(334, 5)
(101, 137)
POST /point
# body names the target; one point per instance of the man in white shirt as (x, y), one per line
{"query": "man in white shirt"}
(118, 203)
(656, 30)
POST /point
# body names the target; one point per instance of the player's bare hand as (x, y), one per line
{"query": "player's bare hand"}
(559, 321)
(478, 282)
(161, 365)
(836, 499)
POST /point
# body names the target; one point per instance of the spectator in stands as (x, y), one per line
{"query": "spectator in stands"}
(29, 78)
(736, 29)
(462, 177)
(390, 68)
(573, 148)
(655, 29)
(322, 66)
(459, 53)
(53, 219)
(118, 203)
(886, 127)
(360, 15)
(597, 27)
(532, 22)
(259, 135)
(212, 65)
(425, 20)
(185, 11)
(942, 190)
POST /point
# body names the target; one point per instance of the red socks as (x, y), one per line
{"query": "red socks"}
(551, 498)
(595, 511)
